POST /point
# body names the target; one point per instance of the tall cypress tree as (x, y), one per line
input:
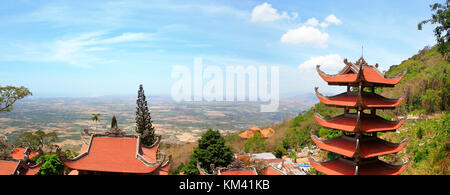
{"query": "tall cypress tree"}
(143, 119)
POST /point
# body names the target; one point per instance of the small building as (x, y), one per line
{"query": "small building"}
(19, 153)
(270, 165)
(18, 163)
(266, 133)
(237, 167)
(117, 153)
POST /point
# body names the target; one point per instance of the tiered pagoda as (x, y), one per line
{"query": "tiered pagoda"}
(359, 147)
(115, 152)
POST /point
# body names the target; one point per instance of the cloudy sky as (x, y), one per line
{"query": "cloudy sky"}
(96, 48)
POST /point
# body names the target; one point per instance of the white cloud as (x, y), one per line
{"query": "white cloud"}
(265, 13)
(331, 19)
(305, 34)
(76, 51)
(312, 22)
(332, 62)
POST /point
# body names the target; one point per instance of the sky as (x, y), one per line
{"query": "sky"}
(107, 48)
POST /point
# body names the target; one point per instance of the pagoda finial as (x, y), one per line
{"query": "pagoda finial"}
(362, 51)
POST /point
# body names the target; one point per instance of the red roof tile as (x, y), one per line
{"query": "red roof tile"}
(8, 167)
(368, 147)
(348, 122)
(114, 154)
(345, 167)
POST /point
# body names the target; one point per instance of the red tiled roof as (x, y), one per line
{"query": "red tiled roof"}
(244, 172)
(368, 147)
(8, 167)
(114, 154)
(271, 171)
(369, 100)
(348, 122)
(369, 75)
(19, 153)
(33, 171)
(344, 167)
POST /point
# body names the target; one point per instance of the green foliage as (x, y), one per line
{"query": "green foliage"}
(144, 121)
(52, 166)
(37, 140)
(431, 100)
(211, 150)
(441, 31)
(429, 145)
(280, 151)
(190, 168)
(255, 144)
(114, 122)
(9, 95)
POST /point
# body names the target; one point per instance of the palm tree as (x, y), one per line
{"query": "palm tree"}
(95, 117)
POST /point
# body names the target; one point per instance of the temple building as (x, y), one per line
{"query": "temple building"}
(359, 147)
(115, 152)
(19, 153)
(266, 133)
(18, 162)
(237, 167)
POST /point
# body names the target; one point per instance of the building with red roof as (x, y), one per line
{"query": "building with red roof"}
(19, 153)
(237, 167)
(266, 133)
(19, 163)
(117, 153)
(359, 147)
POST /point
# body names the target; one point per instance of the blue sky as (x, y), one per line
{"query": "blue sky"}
(97, 48)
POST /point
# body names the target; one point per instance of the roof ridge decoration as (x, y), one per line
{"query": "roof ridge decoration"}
(358, 68)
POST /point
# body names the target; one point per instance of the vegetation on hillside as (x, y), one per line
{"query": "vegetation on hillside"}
(211, 150)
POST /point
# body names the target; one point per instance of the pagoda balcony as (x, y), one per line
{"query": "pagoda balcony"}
(359, 99)
(365, 147)
(341, 166)
(359, 122)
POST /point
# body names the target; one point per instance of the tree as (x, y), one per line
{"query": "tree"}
(9, 95)
(37, 140)
(51, 166)
(211, 150)
(255, 144)
(442, 17)
(280, 151)
(144, 121)
(114, 122)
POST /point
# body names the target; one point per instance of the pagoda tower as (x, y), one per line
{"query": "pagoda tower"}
(359, 147)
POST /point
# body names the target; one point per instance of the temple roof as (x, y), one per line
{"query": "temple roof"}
(359, 122)
(123, 153)
(342, 166)
(8, 167)
(20, 153)
(354, 73)
(365, 147)
(363, 99)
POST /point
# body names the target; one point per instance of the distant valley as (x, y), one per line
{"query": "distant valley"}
(176, 122)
